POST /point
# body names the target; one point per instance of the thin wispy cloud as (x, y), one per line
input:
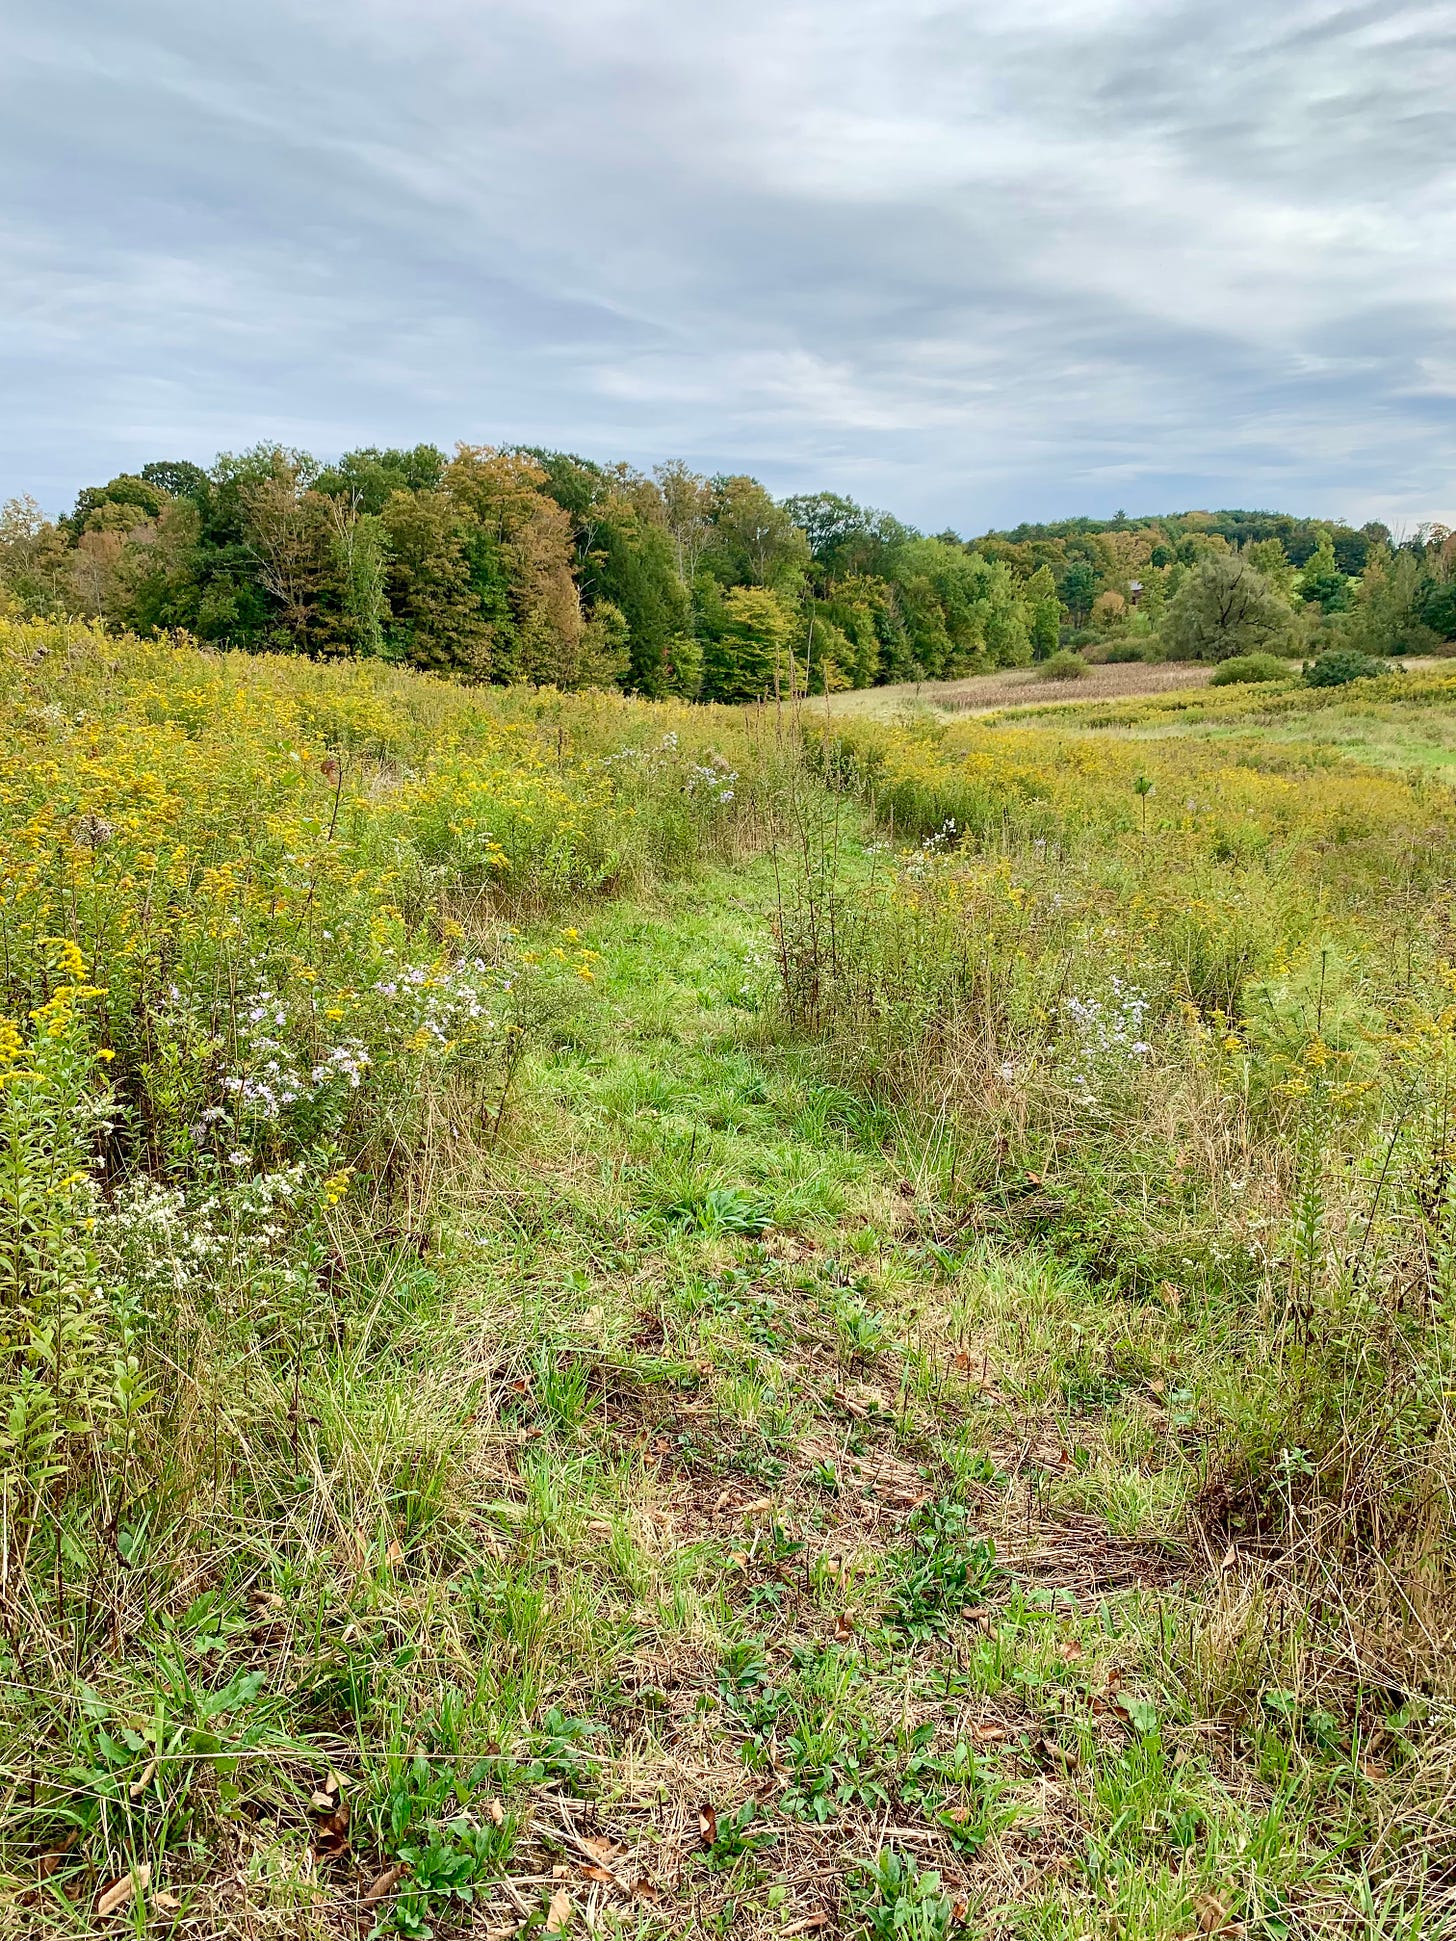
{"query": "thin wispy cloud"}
(975, 262)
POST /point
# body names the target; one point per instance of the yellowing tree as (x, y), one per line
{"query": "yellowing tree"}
(521, 562)
(747, 653)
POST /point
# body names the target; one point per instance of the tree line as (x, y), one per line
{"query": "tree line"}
(520, 564)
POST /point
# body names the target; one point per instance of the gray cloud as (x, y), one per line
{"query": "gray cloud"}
(976, 262)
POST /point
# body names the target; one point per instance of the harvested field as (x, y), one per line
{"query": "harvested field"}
(1012, 687)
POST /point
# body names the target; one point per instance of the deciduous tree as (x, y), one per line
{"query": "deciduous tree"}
(1224, 607)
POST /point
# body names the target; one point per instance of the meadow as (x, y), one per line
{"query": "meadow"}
(623, 1317)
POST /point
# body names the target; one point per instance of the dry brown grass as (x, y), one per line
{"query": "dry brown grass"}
(1013, 687)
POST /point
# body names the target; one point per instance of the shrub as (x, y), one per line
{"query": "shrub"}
(1129, 650)
(1063, 666)
(1240, 668)
(1341, 665)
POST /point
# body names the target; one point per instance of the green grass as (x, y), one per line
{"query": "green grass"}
(1387, 737)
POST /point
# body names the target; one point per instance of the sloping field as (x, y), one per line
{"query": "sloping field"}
(616, 1322)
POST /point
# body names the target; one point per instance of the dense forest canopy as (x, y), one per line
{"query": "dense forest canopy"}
(520, 564)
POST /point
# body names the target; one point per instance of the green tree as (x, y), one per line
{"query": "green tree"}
(1322, 581)
(1267, 556)
(1438, 605)
(1225, 607)
(1044, 613)
(687, 502)
(134, 499)
(845, 539)
(435, 614)
(601, 652)
(1079, 588)
(863, 609)
(633, 567)
(177, 478)
(961, 612)
(34, 559)
(754, 542)
(170, 583)
(360, 546)
(288, 535)
(366, 478)
(1389, 618)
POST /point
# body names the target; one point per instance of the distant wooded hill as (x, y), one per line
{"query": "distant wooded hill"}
(530, 565)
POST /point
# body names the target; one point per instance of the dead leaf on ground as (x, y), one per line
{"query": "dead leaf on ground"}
(558, 1911)
(844, 1627)
(48, 1862)
(708, 1824)
(495, 1813)
(1069, 1649)
(1213, 1914)
(603, 1874)
(140, 1784)
(600, 1848)
(986, 1733)
(816, 1920)
(383, 1884)
(118, 1892)
(331, 1836)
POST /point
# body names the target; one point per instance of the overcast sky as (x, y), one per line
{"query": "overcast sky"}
(975, 262)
